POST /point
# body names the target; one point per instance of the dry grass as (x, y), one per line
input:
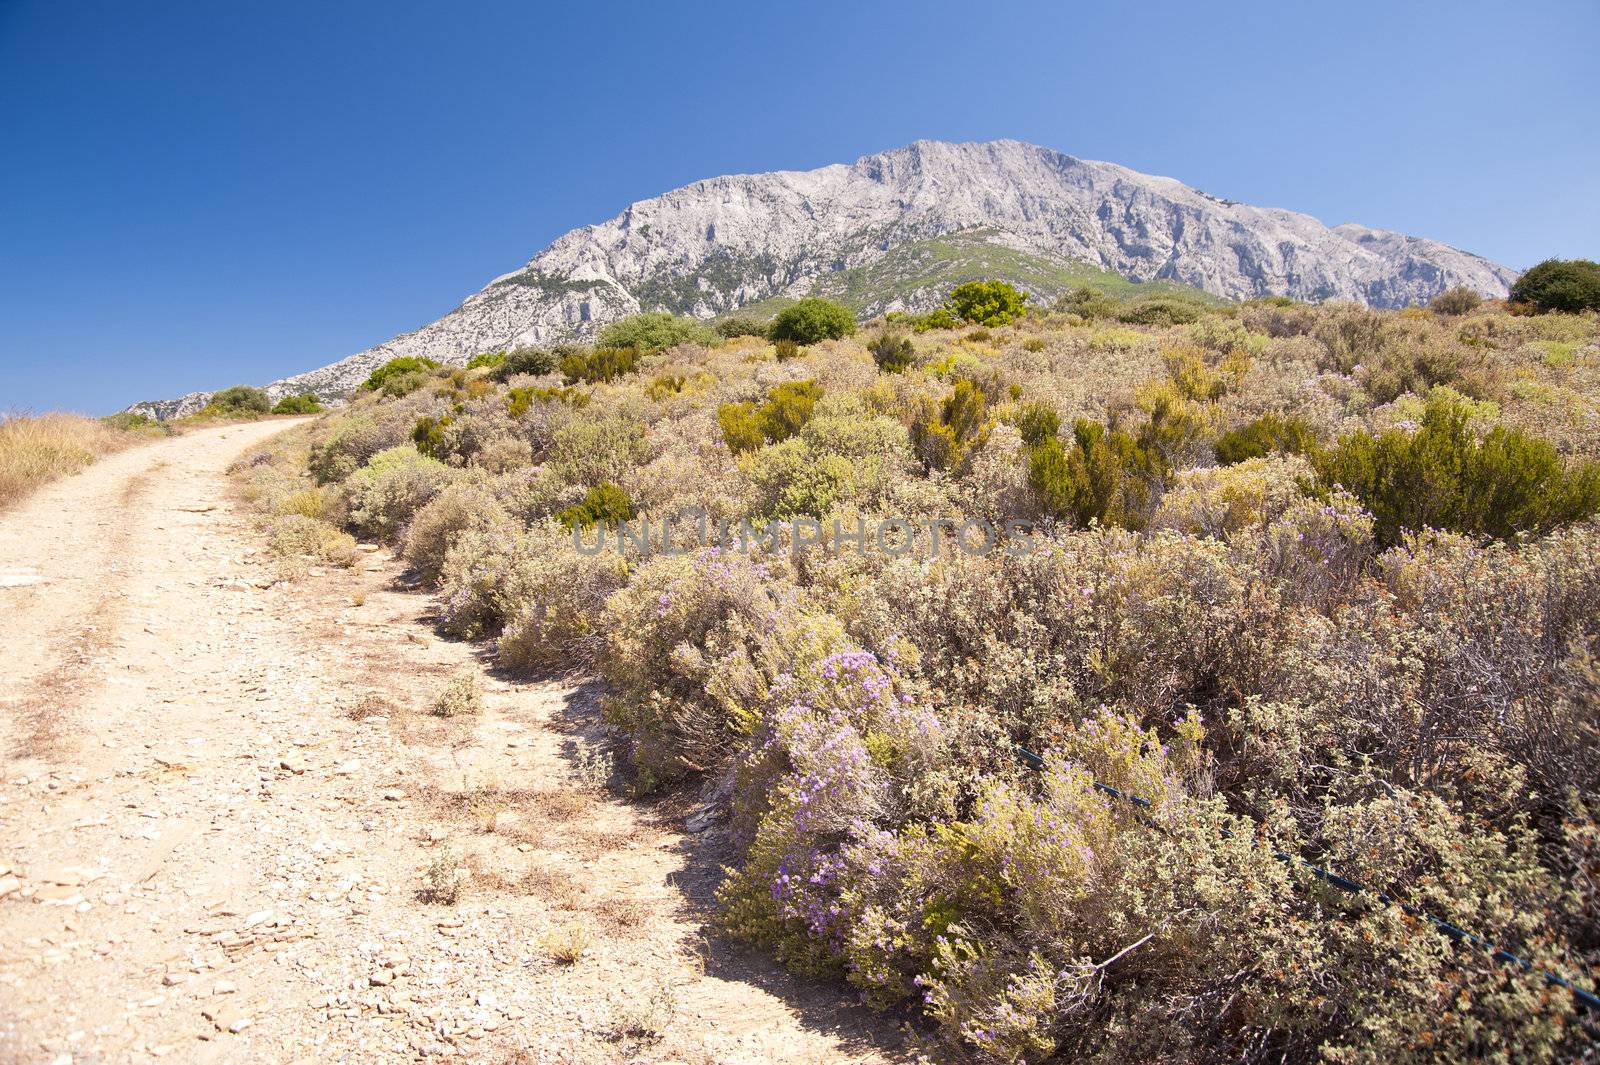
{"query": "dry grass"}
(37, 449)
(568, 945)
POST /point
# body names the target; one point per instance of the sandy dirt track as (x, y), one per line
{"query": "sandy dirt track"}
(229, 824)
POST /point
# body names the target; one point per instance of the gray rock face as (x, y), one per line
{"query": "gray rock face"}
(723, 243)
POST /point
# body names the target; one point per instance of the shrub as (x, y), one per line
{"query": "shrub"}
(391, 487)
(129, 421)
(1038, 422)
(601, 364)
(811, 320)
(1265, 435)
(1088, 303)
(739, 326)
(350, 442)
(553, 614)
(784, 350)
(943, 436)
(1225, 501)
(1442, 476)
(295, 535)
(238, 400)
(604, 504)
(939, 318)
(787, 409)
(1570, 285)
(528, 360)
(684, 656)
(987, 302)
(1162, 310)
(305, 403)
(409, 368)
(589, 450)
(791, 478)
(1101, 475)
(1180, 430)
(1457, 300)
(741, 430)
(428, 435)
(462, 697)
(486, 360)
(653, 331)
(435, 527)
(519, 400)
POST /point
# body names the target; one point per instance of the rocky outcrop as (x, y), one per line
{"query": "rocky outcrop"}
(727, 242)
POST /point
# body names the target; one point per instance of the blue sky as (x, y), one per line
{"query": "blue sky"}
(200, 194)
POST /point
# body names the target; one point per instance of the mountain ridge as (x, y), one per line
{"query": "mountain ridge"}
(717, 245)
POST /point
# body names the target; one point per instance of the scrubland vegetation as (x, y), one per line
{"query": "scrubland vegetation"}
(1311, 580)
(36, 449)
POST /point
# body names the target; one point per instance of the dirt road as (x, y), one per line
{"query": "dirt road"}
(231, 830)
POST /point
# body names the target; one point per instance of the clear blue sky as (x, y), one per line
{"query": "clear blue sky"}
(198, 194)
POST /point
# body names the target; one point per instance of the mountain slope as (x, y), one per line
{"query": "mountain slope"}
(729, 242)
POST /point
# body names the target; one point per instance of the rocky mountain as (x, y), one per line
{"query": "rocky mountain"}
(896, 230)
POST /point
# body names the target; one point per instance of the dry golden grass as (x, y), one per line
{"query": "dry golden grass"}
(36, 449)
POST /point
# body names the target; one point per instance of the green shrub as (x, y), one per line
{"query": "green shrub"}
(239, 400)
(987, 302)
(893, 352)
(594, 448)
(518, 400)
(128, 421)
(739, 326)
(601, 364)
(653, 331)
(944, 436)
(1101, 475)
(305, 403)
(604, 504)
(792, 477)
(741, 429)
(1038, 422)
(939, 318)
(528, 360)
(1088, 303)
(1442, 476)
(1265, 435)
(1161, 311)
(811, 320)
(428, 435)
(408, 367)
(787, 409)
(1570, 285)
(391, 487)
(486, 359)
(1457, 300)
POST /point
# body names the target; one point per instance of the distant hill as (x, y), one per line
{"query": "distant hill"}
(895, 231)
